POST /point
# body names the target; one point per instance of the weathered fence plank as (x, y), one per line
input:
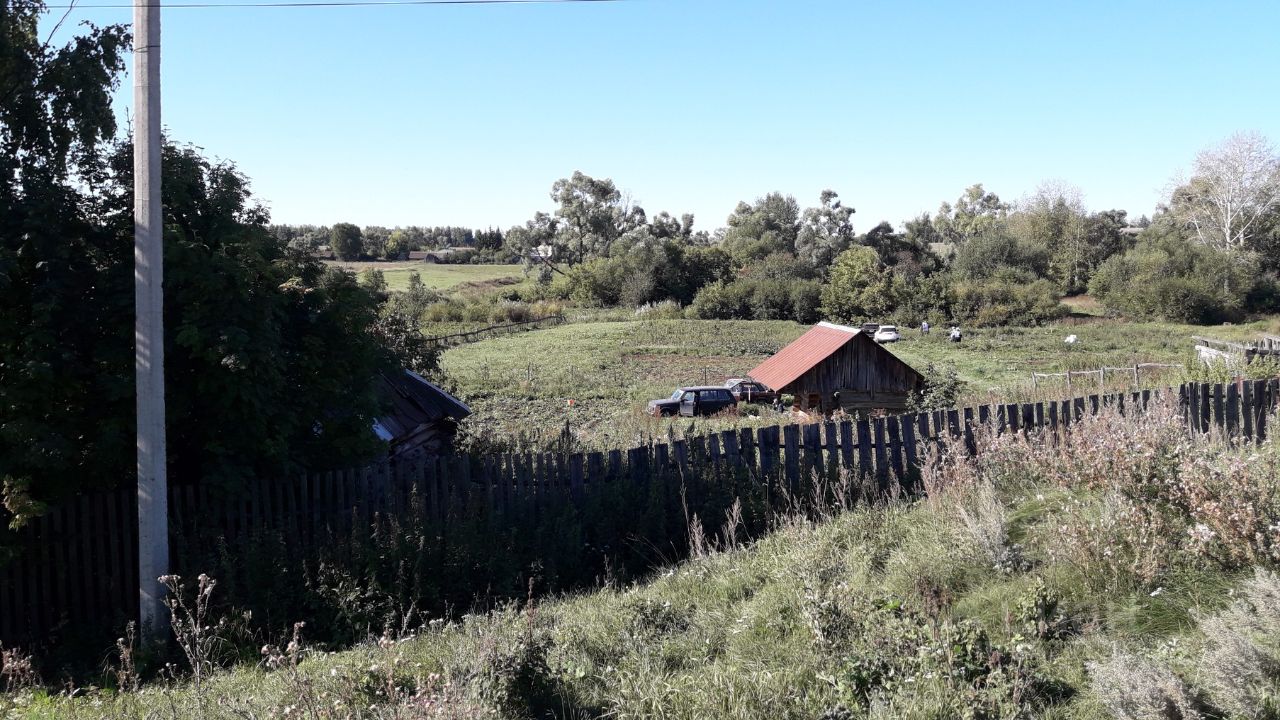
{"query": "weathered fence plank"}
(882, 467)
(865, 466)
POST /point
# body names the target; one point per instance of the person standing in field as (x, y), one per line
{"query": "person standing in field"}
(924, 328)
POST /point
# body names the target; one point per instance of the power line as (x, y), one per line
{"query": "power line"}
(318, 3)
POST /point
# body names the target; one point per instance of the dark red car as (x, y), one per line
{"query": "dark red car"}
(749, 391)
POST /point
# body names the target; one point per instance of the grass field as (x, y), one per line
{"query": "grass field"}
(1065, 581)
(436, 276)
(520, 386)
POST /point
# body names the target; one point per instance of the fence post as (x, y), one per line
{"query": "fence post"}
(1246, 407)
(1233, 411)
(882, 466)
(1206, 410)
(909, 443)
(895, 450)
(865, 468)
(846, 444)
(575, 478)
(791, 438)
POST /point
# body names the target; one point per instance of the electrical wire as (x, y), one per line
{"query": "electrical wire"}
(314, 4)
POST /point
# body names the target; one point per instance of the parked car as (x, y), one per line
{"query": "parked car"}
(870, 328)
(696, 400)
(750, 391)
(887, 334)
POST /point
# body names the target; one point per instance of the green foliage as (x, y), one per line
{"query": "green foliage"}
(248, 324)
(1165, 276)
(860, 288)
(1008, 297)
(806, 621)
(758, 299)
(643, 270)
(942, 390)
(375, 281)
(767, 226)
(347, 241)
(825, 231)
(975, 213)
(985, 256)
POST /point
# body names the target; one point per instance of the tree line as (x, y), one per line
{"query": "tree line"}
(1210, 253)
(272, 359)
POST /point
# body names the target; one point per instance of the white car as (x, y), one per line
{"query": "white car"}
(887, 334)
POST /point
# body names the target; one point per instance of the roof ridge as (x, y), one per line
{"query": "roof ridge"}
(843, 328)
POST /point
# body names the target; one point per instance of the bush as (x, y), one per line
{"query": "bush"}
(1170, 278)
(1134, 688)
(1241, 664)
(1010, 297)
(721, 301)
(758, 299)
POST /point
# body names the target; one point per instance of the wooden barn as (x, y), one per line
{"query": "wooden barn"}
(420, 416)
(835, 366)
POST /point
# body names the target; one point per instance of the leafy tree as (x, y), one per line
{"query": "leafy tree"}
(781, 266)
(983, 256)
(825, 231)
(397, 246)
(976, 212)
(908, 258)
(921, 231)
(59, 304)
(860, 287)
(1009, 296)
(347, 241)
(1168, 276)
(757, 230)
(592, 215)
(375, 281)
(373, 240)
(1054, 218)
(1232, 193)
(270, 357)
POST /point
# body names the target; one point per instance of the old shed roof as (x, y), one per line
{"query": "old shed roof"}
(801, 356)
(414, 402)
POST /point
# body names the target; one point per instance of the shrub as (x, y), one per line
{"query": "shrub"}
(721, 301)
(1010, 297)
(1241, 662)
(1134, 688)
(665, 310)
(1171, 278)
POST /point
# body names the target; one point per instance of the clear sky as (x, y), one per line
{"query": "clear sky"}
(465, 115)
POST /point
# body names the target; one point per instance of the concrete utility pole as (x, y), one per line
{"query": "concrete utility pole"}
(148, 329)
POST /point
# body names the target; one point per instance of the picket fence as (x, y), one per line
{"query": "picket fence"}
(77, 564)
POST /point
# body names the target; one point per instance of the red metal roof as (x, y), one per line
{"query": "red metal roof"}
(798, 358)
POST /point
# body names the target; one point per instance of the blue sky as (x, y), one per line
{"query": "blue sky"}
(465, 115)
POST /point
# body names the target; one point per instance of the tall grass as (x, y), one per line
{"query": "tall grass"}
(1121, 568)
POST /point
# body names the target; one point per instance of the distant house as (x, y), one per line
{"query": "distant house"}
(833, 366)
(434, 256)
(420, 416)
(324, 252)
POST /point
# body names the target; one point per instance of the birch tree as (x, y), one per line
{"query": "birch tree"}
(1232, 192)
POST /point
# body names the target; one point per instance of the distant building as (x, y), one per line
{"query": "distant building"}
(434, 256)
(420, 416)
(835, 366)
(324, 252)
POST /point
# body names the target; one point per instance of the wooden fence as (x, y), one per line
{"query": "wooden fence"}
(490, 331)
(77, 564)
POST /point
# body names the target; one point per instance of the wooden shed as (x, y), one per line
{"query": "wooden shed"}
(420, 416)
(834, 366)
